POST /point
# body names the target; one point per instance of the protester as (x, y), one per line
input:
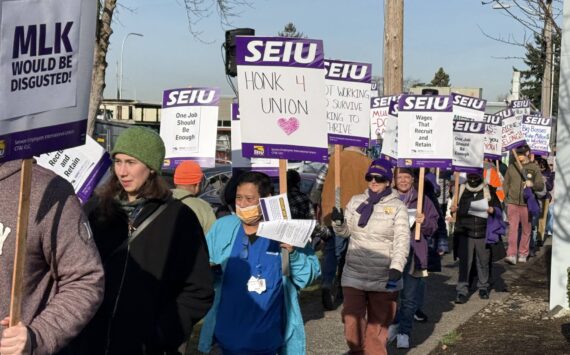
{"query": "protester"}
(476, 202)
(256, 309)
(354, 164)
(415, 269)
(158, 281)
(515, 184)
(545, 202)
(63, 280)
(377, 223)
(187, 178)
(493, 178)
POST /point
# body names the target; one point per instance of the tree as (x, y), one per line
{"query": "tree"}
(291, 31)
(531, 79)
(195, 10)
(440, 79)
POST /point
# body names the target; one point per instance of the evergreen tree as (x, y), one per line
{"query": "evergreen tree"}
(291, 31)
(441, 79)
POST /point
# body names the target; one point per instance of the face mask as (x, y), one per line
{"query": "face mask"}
(249, 215)
(474, 183)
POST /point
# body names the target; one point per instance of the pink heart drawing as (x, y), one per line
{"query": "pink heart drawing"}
(288, 125)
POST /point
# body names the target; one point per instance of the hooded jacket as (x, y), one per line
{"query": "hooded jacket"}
(63, 277)
(514, 183)
(157, 286)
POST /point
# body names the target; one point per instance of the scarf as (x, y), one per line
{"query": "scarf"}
(132, 209)
(365, 209)
(406, 197)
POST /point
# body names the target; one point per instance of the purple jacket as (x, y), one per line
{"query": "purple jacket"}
(495, 226)
(428, 228)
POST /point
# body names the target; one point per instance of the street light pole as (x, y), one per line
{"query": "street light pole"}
(546, 91)
(120, 84)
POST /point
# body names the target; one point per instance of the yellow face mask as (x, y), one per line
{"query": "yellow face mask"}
(249, 215)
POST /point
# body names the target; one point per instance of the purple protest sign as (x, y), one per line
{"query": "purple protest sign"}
(379, 114)
(537, 131)
(468, 144)
(493, 137)
(348, 71)
(512, 135)
(279, 51)
(172, 163)
(99, 170)
(390, 142)
(190, 97)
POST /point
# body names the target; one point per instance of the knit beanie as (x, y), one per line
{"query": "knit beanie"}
(188, 173)
(381, 167)
(143, 144)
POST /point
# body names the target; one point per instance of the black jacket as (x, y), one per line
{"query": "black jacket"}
(472, 226)
(157, 288)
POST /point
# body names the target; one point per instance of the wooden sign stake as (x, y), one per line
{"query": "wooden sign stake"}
(419, 208)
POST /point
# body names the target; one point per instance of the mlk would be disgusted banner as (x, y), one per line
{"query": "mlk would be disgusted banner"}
(281, 96)
(188, 125)
(425, 131)
(468, 133)
(46, 56)
(348, 102)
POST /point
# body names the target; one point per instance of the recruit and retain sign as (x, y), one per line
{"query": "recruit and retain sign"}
(264, 165)
(537, 130)
(348, 102)
(82, 166)
(46, 57)
(512, 135)
(188, 125)
(468, 133)
(493, 136)
(379, 113)
(390, 142)
(281, 95)
(425, 131)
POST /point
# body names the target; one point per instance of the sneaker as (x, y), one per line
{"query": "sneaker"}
(461, 299)
(392, 332)
(511, 260)
(420, 316)
(522, 259)
(484, 294)
(403, 341)
(327, 299)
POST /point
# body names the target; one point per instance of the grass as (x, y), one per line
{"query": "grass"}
(451, 338)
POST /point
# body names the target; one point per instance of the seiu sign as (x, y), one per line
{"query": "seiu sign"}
(37, 40)
(383, 101)
(189, 97)
(426, 103)
(520, 104)
(469, 102)
(393, 110)
(468, 126)
(536, 120)
(506, 113)
(493, 119)
(347, 71)
(281, 51)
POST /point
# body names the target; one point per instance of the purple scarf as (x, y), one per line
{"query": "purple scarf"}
(365, 209)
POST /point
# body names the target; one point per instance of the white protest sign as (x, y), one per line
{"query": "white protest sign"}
(281, 94)
(512, 135)
(493, 136)
(348, 102)
(425, 131)
(520, 108)
(379, 112)
(265, 165)
(82, 166)
(390, 142)
(537, 131)
(188, 125)
(468, 132)
(46, 61)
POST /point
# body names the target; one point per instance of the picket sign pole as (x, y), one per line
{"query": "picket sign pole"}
(21, 235)
(515, 155)
(498, 166)
(419, 208)
(337, 151)
(283, 190)
(455, 194)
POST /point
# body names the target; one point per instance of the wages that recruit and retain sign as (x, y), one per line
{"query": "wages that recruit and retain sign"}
(468, 132)
(379, 112)
(348, 102)
(493, 143)
(281, 96)
(537, 131)
(425, 131)
(512, 135)
(188, 125)
(46, 56)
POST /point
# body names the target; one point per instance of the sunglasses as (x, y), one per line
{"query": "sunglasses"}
(377, 178)
(245, 251)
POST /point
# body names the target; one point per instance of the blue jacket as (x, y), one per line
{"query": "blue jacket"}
(304, 269)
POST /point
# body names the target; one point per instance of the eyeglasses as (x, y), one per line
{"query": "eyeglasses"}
(377, 178)
(245, 250)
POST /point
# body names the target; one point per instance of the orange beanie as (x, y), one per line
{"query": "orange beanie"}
(188, 173)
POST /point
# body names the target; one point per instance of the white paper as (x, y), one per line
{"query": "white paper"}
(294, 232)
(479, 208)
(412, 216)
(275, 208)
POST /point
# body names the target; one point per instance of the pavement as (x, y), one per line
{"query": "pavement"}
(325, 332)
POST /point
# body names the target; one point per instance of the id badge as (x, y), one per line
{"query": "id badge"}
(257, 285)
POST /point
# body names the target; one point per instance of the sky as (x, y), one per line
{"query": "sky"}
(437, 33)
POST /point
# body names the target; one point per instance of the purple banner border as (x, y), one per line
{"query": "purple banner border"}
(241, 50)
(174, 162)
(453, 94)
(273, 172)
(215, 101)
(402, 100)
(281, 151)
(424, 163)
(466, 169)
(514, 145)
(366, 80)
(85, 191)
(492, 156)
(348, 140)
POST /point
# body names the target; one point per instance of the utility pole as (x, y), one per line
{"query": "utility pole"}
(546, 92)
(393, 46)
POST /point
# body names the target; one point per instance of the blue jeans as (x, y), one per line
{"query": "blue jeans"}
(335, 252)
(413, 288)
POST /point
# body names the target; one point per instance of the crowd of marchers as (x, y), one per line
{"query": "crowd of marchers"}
(140, 264)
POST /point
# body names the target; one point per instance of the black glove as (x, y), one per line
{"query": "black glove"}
(394, 275)
(337, 216)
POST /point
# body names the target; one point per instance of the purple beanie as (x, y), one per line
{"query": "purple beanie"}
(381, 167)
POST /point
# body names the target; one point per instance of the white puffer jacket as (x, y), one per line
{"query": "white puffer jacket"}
(382, 244)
